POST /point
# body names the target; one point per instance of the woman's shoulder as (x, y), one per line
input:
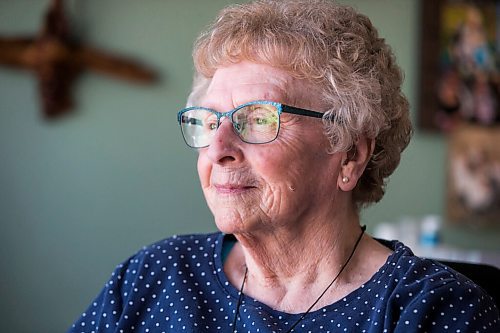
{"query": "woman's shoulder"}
(411, 278)
(179, 246)
(184, 242)
(416, 288)
(171, 252)
(404, 268)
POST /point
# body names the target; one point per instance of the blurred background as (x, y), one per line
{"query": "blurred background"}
(81, 193)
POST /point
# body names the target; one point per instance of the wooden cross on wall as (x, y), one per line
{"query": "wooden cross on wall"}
(57, 59)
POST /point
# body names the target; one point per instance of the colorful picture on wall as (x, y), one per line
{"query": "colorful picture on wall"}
(461, 79)
(474, 175)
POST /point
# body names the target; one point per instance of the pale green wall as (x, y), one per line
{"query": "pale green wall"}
(79, 195)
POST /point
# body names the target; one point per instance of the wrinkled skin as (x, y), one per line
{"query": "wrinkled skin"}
(252, 187)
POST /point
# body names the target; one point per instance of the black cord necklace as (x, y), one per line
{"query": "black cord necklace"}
(240, 293)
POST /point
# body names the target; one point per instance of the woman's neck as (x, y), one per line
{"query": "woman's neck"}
(289, 268)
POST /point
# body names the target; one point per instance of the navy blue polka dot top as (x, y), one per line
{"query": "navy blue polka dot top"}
(178, 285)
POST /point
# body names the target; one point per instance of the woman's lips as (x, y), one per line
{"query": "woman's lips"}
(231, 188)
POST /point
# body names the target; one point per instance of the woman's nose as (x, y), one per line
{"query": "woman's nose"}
(226, 145)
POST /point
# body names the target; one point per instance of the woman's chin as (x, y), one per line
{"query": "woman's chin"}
(229, 222)
(228, 226)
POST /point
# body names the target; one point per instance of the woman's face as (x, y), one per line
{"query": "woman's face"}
(264, 186)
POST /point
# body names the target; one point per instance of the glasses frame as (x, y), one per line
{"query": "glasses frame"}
(282, 108)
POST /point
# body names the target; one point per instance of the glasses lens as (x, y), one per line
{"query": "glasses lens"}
(198, 127)
(257, 123)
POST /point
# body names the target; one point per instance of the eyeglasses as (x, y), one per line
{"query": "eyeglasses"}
(254, 122)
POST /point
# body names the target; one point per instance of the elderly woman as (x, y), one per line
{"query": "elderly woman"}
(298, 119)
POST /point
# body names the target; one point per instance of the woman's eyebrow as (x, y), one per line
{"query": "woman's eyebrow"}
(274, 94)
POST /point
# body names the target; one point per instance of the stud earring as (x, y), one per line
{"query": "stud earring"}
(345, 179)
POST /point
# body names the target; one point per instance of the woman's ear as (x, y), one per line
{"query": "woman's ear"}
(354, 163)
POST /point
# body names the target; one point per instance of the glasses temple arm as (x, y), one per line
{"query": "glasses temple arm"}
(302, 112)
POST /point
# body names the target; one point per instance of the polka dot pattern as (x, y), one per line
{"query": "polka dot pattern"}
(178, 285)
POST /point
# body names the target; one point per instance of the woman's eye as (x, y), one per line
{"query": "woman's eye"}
(212, 126)
(261, 121)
